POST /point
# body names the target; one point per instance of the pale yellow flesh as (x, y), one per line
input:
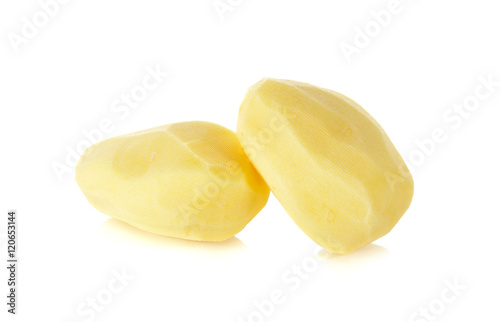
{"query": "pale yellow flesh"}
(328, 162)
(188, 180)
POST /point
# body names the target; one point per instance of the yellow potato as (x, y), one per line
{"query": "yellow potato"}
(189, 180)
(328, 162)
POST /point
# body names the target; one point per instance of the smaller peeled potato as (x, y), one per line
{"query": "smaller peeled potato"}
(188, 180)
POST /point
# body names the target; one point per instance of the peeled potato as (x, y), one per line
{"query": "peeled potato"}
(189, 180)
(328, 162)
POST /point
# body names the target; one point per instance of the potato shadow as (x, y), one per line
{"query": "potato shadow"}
(119, 231)
(369, 254)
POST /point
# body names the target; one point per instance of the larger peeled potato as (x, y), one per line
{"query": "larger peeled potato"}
(189, 180)
(327, 161)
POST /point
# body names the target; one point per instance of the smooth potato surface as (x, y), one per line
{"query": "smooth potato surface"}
(189, 180)
(328, 162)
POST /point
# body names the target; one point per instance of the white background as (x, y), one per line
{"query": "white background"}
(64, 79)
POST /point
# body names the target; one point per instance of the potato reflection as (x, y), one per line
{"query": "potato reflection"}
(123, 232)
